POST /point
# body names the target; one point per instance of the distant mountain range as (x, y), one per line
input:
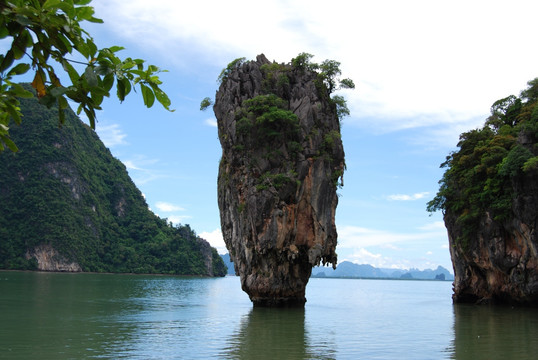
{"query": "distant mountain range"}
(347, 269)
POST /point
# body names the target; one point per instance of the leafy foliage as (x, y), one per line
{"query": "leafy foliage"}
(47, 33)
(228, 69)
(206, 102)
(482, 176)
(276, 80)
(64, 188)
(265, 118)
(328, 80)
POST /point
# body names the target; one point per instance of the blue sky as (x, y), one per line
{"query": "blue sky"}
(425, 71)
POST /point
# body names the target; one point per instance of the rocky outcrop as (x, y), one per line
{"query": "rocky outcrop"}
(489, 198)
(48, 259)
(282, 158)
(500, 265)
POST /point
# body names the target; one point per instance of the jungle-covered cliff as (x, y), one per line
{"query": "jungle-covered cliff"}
(489, 197)
(66, 204)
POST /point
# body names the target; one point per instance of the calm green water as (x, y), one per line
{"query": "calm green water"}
(80, 316)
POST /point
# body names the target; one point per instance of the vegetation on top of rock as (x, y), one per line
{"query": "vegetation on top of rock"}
(228, 69)
(487, 172)
(65, 190)
(276, 80)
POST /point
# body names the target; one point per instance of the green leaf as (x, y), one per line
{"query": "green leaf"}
(58, 91)
(91, 116)
(123, 88)
(162, 98)
(108, 82)
(10, 144)
(6, 61)
(3, 31)
(84, 49)
(114, 49)
(67, 7)
(61, 116)
(65, 42)
(62, 102)
(84, 13)
(21, 43)
(51, 4)
(18, 91)
(73, 74)
(147, 95)
(90, 77)
(23, 20)
(13, 111)
(19, 69)
(92, 48)
(48, 100)
(96, 20)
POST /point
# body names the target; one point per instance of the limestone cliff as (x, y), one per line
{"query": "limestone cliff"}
(282, 158)
(489, 196)
(48, 259)
(501, 264)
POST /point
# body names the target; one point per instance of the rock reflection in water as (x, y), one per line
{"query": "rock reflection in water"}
(492, 332)
(275, 333)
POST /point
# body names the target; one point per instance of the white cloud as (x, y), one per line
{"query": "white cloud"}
(170, 208)
(167, 207)
(356, 237)
(437, 225)
(404, 197)
(178, 219)
(215, 239)
(390, 247)
(130, 165)
(429, 253)
(140, 169)
(363, 256)
(111, 135)
(211, 122)
(412, 66)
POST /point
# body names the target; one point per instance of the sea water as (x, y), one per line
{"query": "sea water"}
(102, 316)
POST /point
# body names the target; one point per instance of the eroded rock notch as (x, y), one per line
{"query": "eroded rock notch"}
(282, 160)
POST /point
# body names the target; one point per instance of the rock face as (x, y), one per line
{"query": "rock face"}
(282, 158)
(48, 259)
(501, 265)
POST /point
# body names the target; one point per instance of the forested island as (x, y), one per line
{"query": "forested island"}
(489, 198)
(66, 204)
